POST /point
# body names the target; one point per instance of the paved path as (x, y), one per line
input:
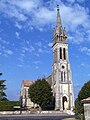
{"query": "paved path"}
(35, 117)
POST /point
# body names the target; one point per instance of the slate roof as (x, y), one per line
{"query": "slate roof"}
(49, 80)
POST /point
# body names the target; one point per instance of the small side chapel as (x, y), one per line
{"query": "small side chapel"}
(61, 77)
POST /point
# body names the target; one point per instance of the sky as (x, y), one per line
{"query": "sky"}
(26, 29)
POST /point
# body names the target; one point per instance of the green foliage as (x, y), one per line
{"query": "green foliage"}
(2, 88)
(78, 107)
(40, 92)
(83, 94)
(8, 105)
(6, 108)
(85, 91)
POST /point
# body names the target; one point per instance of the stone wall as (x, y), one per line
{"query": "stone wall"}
(87, 111)
(35, 112)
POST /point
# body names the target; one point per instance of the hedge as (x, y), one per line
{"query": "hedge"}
(8, 105)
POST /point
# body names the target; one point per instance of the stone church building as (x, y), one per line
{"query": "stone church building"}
(61, 77)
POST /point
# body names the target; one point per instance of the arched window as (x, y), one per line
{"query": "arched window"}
(62, 76)
(64, 53)
(60, 53)
(55, 55)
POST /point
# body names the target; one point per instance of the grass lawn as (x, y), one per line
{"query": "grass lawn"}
(70, 119)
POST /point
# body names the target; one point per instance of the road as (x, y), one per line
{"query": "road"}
(35, 117)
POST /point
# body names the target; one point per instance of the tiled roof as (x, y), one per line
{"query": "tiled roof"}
(87, 100)
(27, 83)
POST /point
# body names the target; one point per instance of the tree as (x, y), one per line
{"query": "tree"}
(2, 88)
(40, 92)
(83, 94)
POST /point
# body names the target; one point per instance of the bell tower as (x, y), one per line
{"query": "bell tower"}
(61, 75)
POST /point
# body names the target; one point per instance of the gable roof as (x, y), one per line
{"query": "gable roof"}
(87, 100)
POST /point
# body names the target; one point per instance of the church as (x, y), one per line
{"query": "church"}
(61, 77)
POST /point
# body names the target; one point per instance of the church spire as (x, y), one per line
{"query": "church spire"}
(60, 34)
(58, 24)
(58, 29)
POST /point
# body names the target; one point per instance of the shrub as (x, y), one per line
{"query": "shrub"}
(8, 105)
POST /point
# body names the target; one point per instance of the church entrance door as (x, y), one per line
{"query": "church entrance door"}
(64, 103)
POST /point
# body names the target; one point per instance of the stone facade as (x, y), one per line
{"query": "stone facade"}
(61, 77)
(86, 103)
(26, 102)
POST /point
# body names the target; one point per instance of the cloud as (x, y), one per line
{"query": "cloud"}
(28, 49)
(85, 50)
(89, 74)
(18, 9)
(39, 44)
(40, 50)
(19, 65)
(22, 54)
(24, 10)
(82, 64)
(10, 10)
(17, 35)
(72, 1)
(41, 29)
(80, 1)
(37, 67)
(31, 49)
(36, 54)
(50, 44)
(35, 14)
(77, 85)
(26, 5)
(42, 18)
(19, 26)
(75, 15)
(7, 52)
(76, 20)
(37, 62)
(4, 41)
(4, 50)
(31, 28)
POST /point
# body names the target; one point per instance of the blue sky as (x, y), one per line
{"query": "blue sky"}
(26, 28)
